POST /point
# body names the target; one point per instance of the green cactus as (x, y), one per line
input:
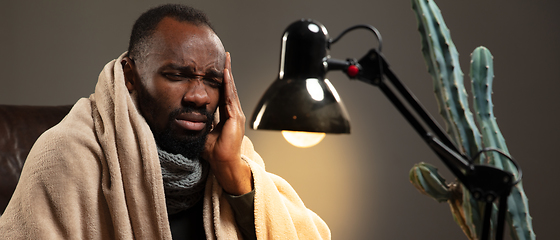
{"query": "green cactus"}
(442, 60)
(482, 75)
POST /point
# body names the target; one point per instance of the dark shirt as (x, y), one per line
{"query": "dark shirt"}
(188, 224)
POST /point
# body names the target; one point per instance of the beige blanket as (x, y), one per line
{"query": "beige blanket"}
(96, 175)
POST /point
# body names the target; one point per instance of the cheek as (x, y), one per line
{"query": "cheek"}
(164, 93)
(215, 98)
(146, 105)
(156, 103)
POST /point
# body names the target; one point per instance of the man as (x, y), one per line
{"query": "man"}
(144, 156)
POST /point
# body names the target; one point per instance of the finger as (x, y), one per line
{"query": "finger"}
(232, 88)
(228, 61)
(224, 112)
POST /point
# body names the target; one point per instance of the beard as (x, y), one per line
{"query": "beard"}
(190, 144)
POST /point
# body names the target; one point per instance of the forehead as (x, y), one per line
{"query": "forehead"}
(183, 42)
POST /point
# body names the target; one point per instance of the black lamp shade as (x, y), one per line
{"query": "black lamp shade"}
(301, 99)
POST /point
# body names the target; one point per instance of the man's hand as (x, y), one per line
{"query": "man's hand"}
(223, 146)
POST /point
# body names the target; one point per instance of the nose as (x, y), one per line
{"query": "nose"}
(196, 94)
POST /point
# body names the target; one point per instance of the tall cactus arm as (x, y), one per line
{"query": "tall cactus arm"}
(518, 216)
(482, 75)
(442, 60)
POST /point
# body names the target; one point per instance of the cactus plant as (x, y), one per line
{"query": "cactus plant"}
(442, 59)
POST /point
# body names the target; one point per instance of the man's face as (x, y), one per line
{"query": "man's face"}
(179, 85)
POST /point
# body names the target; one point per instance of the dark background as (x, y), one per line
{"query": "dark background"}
(52, 52)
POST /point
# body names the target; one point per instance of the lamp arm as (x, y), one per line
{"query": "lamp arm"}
(372, 67)
(485, 183)
(419, 109)
(438, 141)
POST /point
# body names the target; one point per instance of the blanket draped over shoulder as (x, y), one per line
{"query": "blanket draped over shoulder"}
(96, 175)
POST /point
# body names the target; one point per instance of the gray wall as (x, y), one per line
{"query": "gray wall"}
(51, 54)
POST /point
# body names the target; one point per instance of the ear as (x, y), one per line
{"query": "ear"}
(130, 76)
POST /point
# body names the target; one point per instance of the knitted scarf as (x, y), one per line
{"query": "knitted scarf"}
(183, 180)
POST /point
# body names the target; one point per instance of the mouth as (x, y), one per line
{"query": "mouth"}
(191, 121)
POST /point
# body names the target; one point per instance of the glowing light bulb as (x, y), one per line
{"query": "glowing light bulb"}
(303, 139)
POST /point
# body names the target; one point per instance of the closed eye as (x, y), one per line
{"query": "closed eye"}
(212, 82)
(174, 76)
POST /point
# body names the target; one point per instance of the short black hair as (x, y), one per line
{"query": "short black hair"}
(147, 22)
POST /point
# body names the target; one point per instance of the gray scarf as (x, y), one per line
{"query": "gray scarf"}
(183, 180)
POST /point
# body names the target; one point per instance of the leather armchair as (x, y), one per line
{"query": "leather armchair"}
(20, 126)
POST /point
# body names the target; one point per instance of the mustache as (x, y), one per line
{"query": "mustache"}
(191, 109)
